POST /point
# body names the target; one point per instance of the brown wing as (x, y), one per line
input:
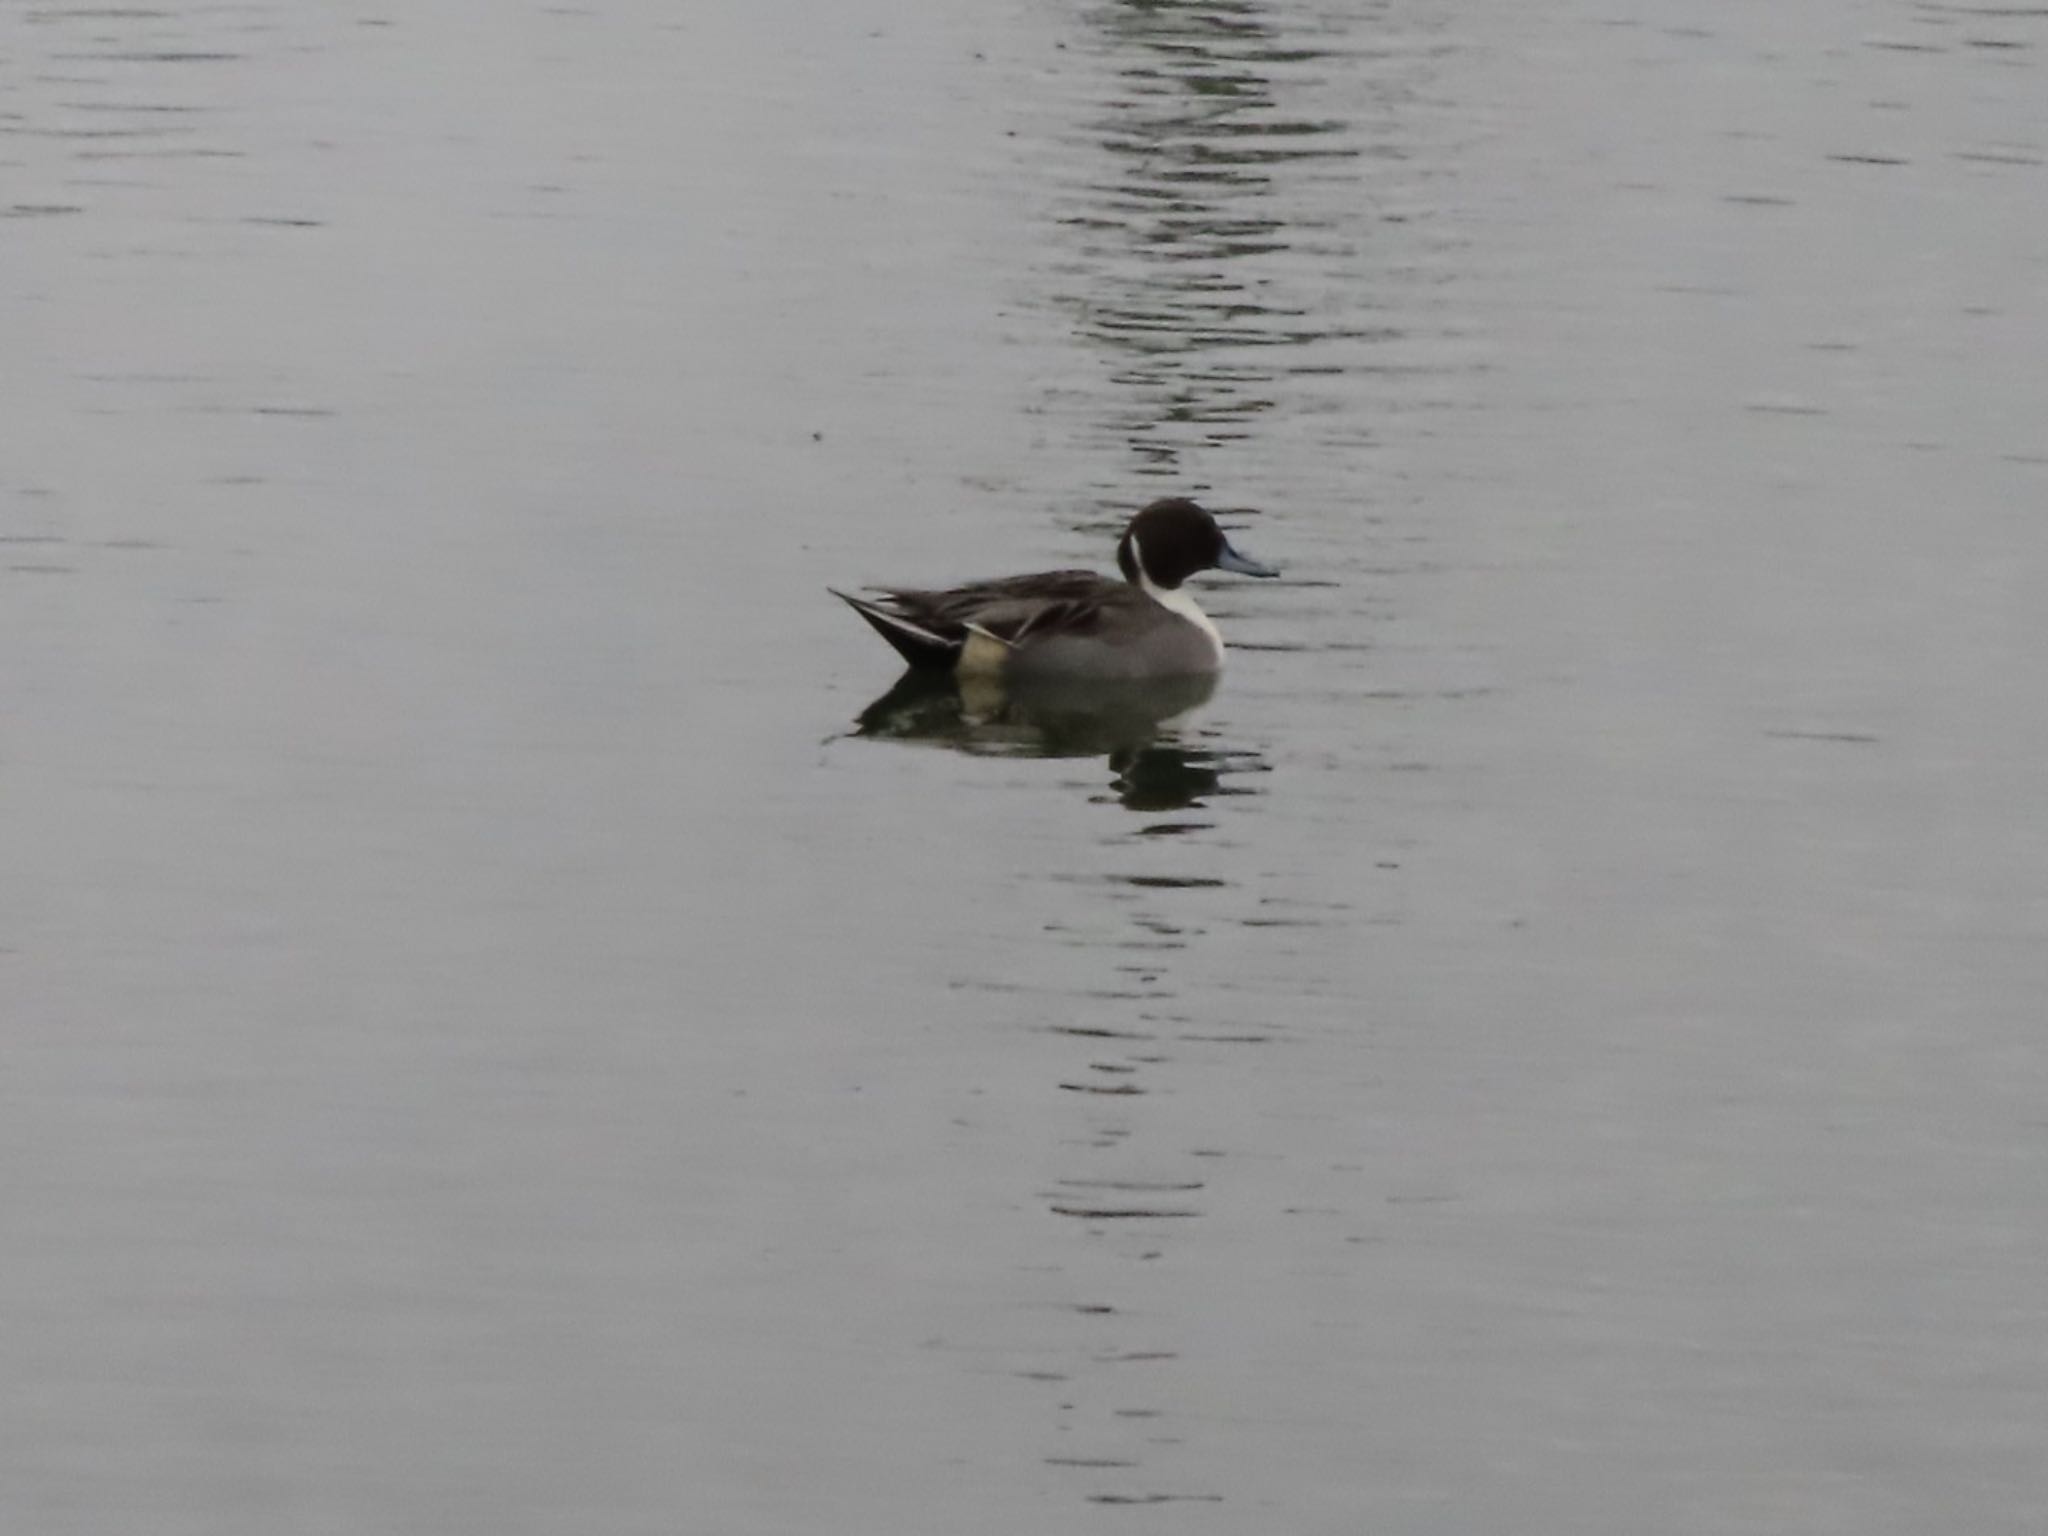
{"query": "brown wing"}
(1010, 607)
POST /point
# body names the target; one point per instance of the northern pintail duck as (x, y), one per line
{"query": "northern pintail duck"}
(1074, 624)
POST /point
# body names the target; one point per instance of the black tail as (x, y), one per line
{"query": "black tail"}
(917, 645)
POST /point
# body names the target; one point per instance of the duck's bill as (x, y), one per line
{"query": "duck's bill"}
(1242, 564)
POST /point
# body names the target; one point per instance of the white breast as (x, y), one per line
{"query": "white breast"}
(1182, 602)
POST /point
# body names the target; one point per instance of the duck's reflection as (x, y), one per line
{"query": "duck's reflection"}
(1163, 777)
(1137, 727)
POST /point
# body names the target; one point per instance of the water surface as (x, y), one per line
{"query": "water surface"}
(515, 1028)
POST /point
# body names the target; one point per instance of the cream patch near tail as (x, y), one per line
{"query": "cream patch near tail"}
(984, 654)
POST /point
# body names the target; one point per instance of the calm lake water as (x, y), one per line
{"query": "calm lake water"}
(506, 1034)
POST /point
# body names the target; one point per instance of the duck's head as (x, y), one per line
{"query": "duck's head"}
(1171, 540)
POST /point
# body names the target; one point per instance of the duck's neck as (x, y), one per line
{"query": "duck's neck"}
(1180, 602)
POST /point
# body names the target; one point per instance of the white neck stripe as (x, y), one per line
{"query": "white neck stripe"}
(1138, 559)
(1180, 602)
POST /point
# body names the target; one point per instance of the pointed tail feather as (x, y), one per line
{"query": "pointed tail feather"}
(913, 642)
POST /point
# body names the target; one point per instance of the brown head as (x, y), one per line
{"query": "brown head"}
(1171, 540)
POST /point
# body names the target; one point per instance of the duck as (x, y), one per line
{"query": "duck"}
(1074, 625)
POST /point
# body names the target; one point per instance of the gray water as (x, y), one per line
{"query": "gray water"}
(494, 1044)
